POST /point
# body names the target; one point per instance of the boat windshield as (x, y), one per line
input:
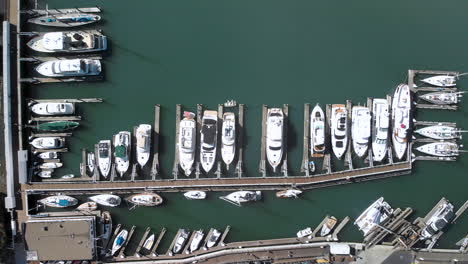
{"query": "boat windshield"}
(275, 148)
(120, 151)
(103, 150)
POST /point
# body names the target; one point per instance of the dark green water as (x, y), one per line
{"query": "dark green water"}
(269, 52)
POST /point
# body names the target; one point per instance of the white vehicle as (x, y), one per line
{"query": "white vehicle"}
(381, 122)
(440, 149)
(122, 145)
(304, 232)
(195, 195)
(71, 41)
(441, 80)
(360, 129)
(442, 217)
(213, 239)
(289, 193)
(48, 142)
(401, 115)
(374, 215)
(228, 138)
(274, 137)
(208, 140)
(440, 132)
(187, 142)
(196, 241)
(59, 201)
(68, 68)
(180, 241)
(143, 144)
(119, 241)
(317, 131)
(49, 109)
(106, 199)
(339, 129)
(104, 157)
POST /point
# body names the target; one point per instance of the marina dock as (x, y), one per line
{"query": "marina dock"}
(306, 143)
(153, 252)
(155, 164)
(143, 239)
(240, 144)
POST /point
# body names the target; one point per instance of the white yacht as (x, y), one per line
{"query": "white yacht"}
(195, 195)
(274, 137)
(106, 199)
(68, 68)
(441, 80)
(440, 132)
(339, 129)
(45, 174)
(50, 165)
(122, 145)
(380, 124)
(119, 241)
(242, 197)
(374, 215)
(48, 155)
(442, 98)
(48, 142)
(360, 129)
(228, 138)
(289, 193)
(213, 239)
(143, 144)
(65, 19)
(440, 149)
(49, 109)
(208, 139)
(59, 201)
(71, 41)
(196, 241)
(442, 216)
(187, 142)
(149, 242)
(317, 131)
(104, 157)
(401, 111)
(180, 241)
(328, 226)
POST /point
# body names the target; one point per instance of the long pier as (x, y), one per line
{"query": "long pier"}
(156, 139)
(306, 143)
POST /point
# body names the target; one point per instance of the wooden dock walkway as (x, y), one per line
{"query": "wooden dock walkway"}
(156, 138)
(55, 118)
(262, 167)
(284, 163)
(169, 250)
(142, 240)
(175, 169)
(197, 139)
(158, 241)
(240, 141)
(223, 236)
(57, 11)
(306, 142)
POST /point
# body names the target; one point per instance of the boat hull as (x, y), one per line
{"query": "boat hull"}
(439, 149)
(208, 140)
(439, 132)
(143, 142)
(317, 131)
(99, 43)
(122, 143)
(59, 201)
(360, 130)
(145, 199)
(441, 81)
(104, 157)
(401, 115)
(48, 142)
(48, 68)
(186, 144)
(119, 241)
(339, 129)
(195, 195)
(53, 109)
(228, 138)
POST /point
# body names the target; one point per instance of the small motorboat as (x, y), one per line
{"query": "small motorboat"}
(69, 68)
(209, 134)
(328, 226)
(187, 142)
(440, 149)
(106, 199)
(304, 232)
(50, 165)
(145, 199)
(442, 98)
(401, 115)
(289, 193)
(375, 214)
(274, 137)
(91, 162)
(56, 126)
(48, 142)
(122, 145)
(381, 122)
(228, 138)
(196, 241)
(440, 132)
(104, 157)
(119, 241)
(68, 42)
(48, 155)
(149, 242)
(213, 239)
(180, 241)
(59, 201)
(68, 176)
(106, 224)
(360, 129)
(49, 109)
(65, 19)
(143, 144)
(88, 206)
(195, 195)
(443, 216)
(46, 174)
(339, 129)
(441, 80)
(242, 196)
(317, 132)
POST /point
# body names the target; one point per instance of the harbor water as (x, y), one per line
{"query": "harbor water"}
(268, 52)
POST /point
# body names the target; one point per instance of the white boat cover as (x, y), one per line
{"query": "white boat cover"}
(53, 40)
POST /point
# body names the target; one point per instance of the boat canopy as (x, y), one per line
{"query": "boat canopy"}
(120, 151)
(63, 202)
(69, 66)
(103, 150)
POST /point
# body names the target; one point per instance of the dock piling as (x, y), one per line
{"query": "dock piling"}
(84, 163)
(96, 163)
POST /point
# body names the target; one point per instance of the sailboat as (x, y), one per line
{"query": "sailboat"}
(106, 199)
(289, 193)
(59, 201)
(441, 80)
(209, 133)
(228, 138)
(242, 196)
(401, 111)
(440, 149)
(380, 126)
(122, 144)
(145, 199)
(442, 98)
(119, 241)
(317, 131)
(195, 195)
(187, 142)
(143, 144)
(360, 129)
(104, 157)
(440, 132)
(274, 137)
(339, 130)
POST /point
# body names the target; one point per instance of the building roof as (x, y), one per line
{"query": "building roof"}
(60, 238)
